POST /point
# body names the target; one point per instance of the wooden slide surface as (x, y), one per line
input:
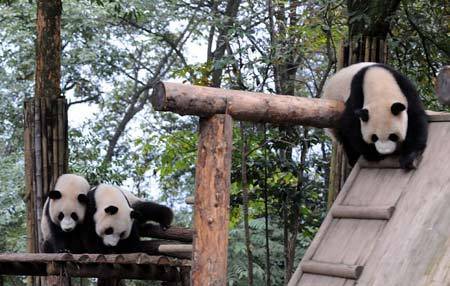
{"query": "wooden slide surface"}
(387, 227)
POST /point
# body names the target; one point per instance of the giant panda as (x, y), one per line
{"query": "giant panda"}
(383, 113)
(63, 215)
(114, 216)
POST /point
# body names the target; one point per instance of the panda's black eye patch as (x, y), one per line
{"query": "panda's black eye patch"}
(111, 210)
(374, 138)
(74, 216)
(122, 234)
(109, 231)
(60, 216)
(393, 137)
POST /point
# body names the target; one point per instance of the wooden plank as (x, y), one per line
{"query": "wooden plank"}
(365, 212)
(323, 228)
(321, 280)
(332, 269)
(212, 199)
(391, 162)
(414, 246)
(245, 106)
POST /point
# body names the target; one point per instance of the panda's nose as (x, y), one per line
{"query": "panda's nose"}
(67, 229)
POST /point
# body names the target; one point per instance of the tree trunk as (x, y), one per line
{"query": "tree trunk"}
(244, 150)
(45, 124)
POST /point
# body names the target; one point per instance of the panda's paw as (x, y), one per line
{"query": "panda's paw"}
(164, 226)
(407, 162)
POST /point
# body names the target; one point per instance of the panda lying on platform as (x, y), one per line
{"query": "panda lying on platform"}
(104, 219)
(63, 217)
(383, 113)
(113, 219)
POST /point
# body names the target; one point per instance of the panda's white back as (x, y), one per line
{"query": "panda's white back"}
(338, 86)
(380, 87)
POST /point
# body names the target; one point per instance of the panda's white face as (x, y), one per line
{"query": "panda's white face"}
(384, 125)
(384, 117)
(68, 201)
(113, 217)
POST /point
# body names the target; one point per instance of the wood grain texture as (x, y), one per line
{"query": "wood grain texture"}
(245, 106)
(212, 199)
(413, 246)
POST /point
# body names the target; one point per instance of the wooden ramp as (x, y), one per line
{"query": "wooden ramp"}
(387, 227)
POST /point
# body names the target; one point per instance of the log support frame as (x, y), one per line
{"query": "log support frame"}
(212, 200)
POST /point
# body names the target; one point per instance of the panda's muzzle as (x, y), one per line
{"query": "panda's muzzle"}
(68, 224)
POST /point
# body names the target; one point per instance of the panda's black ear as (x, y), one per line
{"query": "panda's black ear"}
(363, 114)
(54, 195)
(135, 215)
(82, 198)
(111, 210)
(397, 107)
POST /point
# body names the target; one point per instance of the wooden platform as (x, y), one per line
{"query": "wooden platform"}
(388, 227)
(120, 266)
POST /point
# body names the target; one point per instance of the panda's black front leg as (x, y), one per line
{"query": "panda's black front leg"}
(407, 160)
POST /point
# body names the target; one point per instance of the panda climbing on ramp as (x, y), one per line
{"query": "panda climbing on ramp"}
(383, 114)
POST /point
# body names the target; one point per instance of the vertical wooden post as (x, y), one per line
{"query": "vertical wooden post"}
(45, 132)
(212, 199)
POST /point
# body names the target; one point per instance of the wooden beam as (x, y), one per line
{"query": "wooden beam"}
(332, 269)
(174, 232)
(175, 248)
(245, 106)
(362, 212)
(212, 200)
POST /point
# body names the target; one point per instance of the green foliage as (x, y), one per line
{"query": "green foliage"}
(114, 51)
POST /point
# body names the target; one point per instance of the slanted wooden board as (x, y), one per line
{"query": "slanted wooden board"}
(413, 246)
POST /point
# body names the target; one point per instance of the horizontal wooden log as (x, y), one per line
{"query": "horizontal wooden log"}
(107, 271)
(362, 212)
(173, 233)
(131, 258)
(245, 106)
(152, 247)
(175, 248)
(118, 266)
(190, 200)
(332, 269)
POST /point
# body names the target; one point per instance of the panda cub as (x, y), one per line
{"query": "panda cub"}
(63, 215)
(383, 113)
(114, 217)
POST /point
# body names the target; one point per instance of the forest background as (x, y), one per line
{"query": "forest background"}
(113, 52)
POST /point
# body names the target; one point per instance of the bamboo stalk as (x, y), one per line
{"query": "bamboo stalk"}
(44, 144)
(367, 49)
(38, 169)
